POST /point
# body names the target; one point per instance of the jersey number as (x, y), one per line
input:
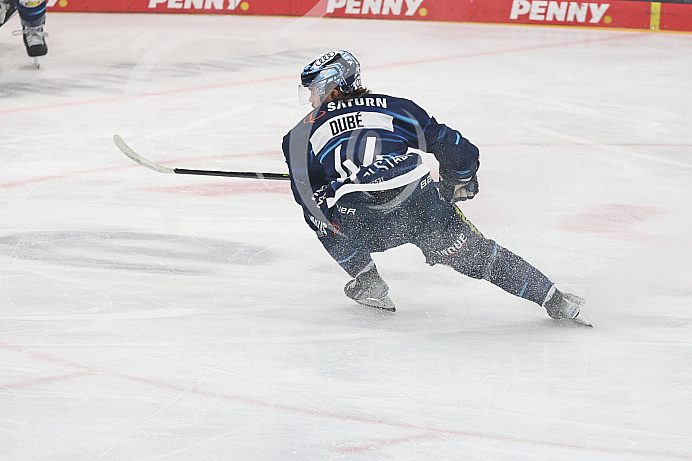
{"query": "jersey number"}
(341, 166)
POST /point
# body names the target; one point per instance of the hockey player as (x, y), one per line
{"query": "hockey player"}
(363, 190)
(33, 18)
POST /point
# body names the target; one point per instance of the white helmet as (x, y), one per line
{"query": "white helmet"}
(334, 69)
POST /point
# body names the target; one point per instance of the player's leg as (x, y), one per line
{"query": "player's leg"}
(451, 239)
(33, 15)
(369, 223)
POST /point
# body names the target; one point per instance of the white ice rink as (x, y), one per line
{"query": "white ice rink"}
(146, 316)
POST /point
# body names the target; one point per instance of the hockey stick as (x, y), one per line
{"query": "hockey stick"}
(127, 150)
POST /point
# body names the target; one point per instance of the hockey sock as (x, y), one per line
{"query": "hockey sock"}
(32, 12)
(516, 276)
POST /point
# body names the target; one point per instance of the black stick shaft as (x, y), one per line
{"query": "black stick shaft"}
(233, 174)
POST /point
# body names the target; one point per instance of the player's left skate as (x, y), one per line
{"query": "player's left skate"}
(34, 41)
(561, 305)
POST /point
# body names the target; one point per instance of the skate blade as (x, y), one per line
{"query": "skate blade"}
(384, 304)
(37, 62)
(580, 319)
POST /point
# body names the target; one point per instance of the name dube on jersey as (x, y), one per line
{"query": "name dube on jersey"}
(543, 10)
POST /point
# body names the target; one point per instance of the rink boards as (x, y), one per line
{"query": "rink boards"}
(639, 15)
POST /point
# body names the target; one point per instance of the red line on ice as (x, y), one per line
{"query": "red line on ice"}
(426, 432)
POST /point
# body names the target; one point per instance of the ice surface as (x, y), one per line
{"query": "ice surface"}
(149, 316)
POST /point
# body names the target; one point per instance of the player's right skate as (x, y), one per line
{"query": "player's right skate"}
(561, 305)
(368, 289)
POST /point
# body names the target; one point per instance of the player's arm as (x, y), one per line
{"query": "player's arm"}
(458, 158)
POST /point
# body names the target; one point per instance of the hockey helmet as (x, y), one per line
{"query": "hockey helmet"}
(334, 69)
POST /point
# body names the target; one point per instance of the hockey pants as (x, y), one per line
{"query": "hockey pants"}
(417, 214)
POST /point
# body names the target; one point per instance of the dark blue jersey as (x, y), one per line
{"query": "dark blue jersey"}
(349, 162)
(363, 145)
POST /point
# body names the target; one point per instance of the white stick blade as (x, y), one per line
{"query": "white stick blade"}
(127, 150)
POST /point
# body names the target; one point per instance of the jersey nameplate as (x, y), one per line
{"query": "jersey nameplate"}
(349, 122)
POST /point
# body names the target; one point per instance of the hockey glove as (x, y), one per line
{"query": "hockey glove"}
(454, 189)
(369, 289)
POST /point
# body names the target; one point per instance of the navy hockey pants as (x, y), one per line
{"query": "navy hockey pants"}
(416, 214)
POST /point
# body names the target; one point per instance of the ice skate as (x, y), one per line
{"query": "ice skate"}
(34, 41)
(383, 303)
(567, 306)
(368, 289)
(7, 9)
